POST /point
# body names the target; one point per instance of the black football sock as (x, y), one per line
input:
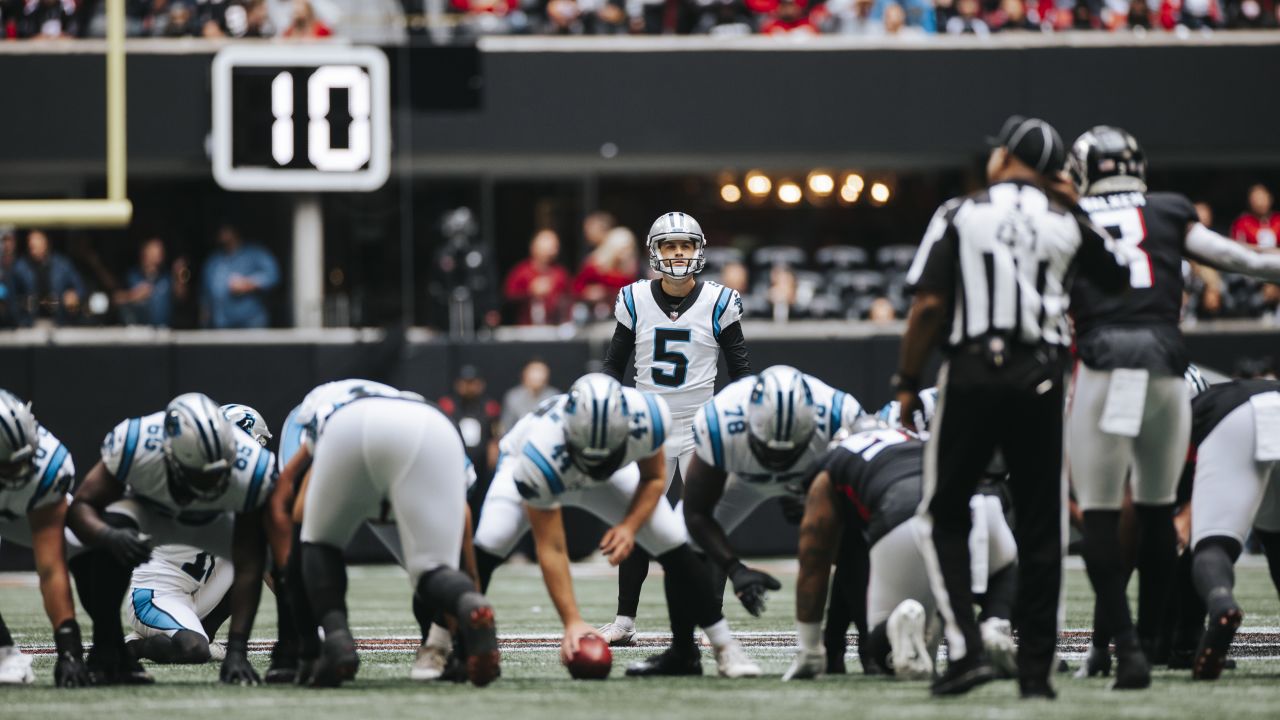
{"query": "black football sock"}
(220, 612)
(1002, 593)
(1271, 546)
(835, 636)
(1213, 569)
(690, 603)
(1157, 562)
(6, 640)
(486, 563)
(286, 628)
(304, 619)
(719, 580)
(876, 650)
(1189, 609)
(325, 572)
(631, 575)
(1106, 571)
(101, 583)
(440, 591)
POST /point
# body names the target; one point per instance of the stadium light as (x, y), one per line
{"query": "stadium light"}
(854, 182)
(821, 183)
(758, 184)
(880, 193)
(849, 193)
(789, 192)
(730, 193)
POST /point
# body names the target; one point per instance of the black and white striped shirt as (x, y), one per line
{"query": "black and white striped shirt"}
(1005, 257)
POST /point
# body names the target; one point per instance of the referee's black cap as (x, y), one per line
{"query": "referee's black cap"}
(1034, 142)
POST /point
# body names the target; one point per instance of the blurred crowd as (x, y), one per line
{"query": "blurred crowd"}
(870, 18)
(165, 18)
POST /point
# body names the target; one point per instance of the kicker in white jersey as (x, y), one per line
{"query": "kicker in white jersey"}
(678, 357)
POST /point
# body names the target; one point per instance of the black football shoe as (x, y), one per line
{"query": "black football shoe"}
(116, 668)
(1211, 655)
(1096, 664)
(1036, 690)
(668, 663)
(963, 675)
(479, 635)
(284, 665)
(1133, 671)
(338, 661)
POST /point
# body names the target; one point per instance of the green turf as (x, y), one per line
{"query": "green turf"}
(534, 686)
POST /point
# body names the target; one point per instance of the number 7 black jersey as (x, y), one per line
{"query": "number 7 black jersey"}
(1151, 229)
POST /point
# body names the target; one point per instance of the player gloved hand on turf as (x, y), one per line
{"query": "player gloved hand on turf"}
(236, 669)
(69, 670)
(751, 585)
(127, 545)
(573, 632)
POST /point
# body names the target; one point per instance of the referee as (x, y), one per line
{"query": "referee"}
(991, 282)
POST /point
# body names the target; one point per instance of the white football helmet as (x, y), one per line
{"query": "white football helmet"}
(891, 413)
(249, 420)
(19, 438)
(596, 425)
(676, 226)
(199, 446)
(781, 417)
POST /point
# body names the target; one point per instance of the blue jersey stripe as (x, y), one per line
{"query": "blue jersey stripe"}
(628, 299)
(130, 448)
(722, 303)
(291, 437)
(837, 412)
(255, 485)
(655, 417)
(713, 429)
(150, 615)
(553, 479)
(50, 474)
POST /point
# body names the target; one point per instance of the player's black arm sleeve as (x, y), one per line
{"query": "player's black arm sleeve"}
(734, 347)
(619, 352)
(1099, 261)
(702, 490)
(248, 555)
(98, 490)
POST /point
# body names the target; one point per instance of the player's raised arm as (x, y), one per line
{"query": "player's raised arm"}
(1225, 254)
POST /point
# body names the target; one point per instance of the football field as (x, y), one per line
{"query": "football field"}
(534, 686)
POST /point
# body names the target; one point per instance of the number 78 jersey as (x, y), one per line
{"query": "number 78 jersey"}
(678, 357)
(720, 433)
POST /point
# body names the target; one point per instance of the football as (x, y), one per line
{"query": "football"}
(593, 661)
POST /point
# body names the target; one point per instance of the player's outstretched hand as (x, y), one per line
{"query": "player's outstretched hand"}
(573, 632)
(236, 669)
(751, 585)
(69, 670)
(618, 543)
(807, 665)
(128, 546)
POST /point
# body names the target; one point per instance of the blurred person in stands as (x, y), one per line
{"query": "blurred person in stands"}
(1260, 225)
(305, 24)
(895, 23)
(967, 20)
(535, 386)
(235, 283)
(538, 285)
(1136, 14)
(596, 226)
(1012, 17)
(1199, 14)
(487, 17)
(723, 18)
(734, 275)
(609, 268)
(1253, 14)
(148, 295)
(476, 416)
(47, 286)
(234, 18)
(8, 258)
(881, 311)
(1208, 301)
(605, 17)
(790, 16)
(562, 17)
(851, 17)
(783, 292)
(48, 19)
(168, 18)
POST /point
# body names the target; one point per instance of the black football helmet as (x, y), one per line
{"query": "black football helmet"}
(1107, 159)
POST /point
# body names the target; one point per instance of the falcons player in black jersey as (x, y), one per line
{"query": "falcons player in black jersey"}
(1130, 412)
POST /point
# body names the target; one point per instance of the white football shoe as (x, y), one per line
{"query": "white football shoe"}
(429, 663)
(807, 665)
(618, 634)
(911, 659)
(997, 639)
(15, 667)
(217, 651)
(733, 662)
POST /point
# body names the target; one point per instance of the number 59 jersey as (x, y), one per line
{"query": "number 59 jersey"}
(677, 357)
(720, 433)
(543, 468)
(134, 455)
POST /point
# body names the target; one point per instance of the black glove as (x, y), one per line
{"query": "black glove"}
(69, 670)
(750, 586)
(236, 669)
(127, 545)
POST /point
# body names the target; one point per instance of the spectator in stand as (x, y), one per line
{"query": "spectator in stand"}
(734, 276)
(236, 281)
(168, 18)
(1012, 17)
(1260, 226)
(476, 416)
(538, 285)
(1206, 281)
(790, 16)
(852, 17)
(1200, 14)
(46, 284)
(562, 17)
(966, 20)
(1253, 14)
(535, 386)
(148, 296)
(605, 17)
(1083, 17)
(723, 18)
(1136, 17)
(595, 226)
(8, 258)
(783, 295)
(235, 19)
(48, 19)
(491, 17)
(611, 267)
(895, 23)
(881, 311)
(305, 24)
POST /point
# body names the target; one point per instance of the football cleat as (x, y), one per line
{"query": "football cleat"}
(963, 675)
(479, 638)
(1133, 672)
(15, 667)
(733, 662)
(338, 661)
(1096, 664)
(911, 657)
(618, 635)
(1211, 655)
(429, 663)
(997, 640)
(807, 665)
(121, 669)
(669, 662)
(1036, 690)
(284, 664)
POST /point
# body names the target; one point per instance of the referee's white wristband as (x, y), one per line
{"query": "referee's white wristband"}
(809, 635)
